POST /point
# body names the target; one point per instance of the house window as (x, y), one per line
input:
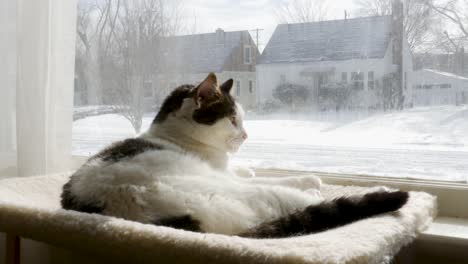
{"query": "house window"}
(148, 89)
(322, 80)
(250, 86)
(370, 80)
(357, 80)
(282, 78)
(238, 87)
(344, 77)
(247, 55)
(445, 86)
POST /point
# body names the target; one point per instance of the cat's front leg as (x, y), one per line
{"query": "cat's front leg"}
(297, 182)
(244, 172)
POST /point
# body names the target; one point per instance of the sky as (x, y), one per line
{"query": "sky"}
(231, 15)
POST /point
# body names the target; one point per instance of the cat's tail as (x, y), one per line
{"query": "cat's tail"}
(330, 214)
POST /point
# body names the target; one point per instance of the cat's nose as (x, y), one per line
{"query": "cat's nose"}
(244, 135)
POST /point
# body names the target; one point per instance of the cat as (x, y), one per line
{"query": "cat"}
(176, 174)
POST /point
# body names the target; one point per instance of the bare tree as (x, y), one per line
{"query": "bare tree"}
(119, 42)
(455, 12)
(417, 18)
(301, 11)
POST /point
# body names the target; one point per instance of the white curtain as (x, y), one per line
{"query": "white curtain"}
(37, 45)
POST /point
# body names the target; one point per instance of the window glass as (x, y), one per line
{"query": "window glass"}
(344, 77)
(371, 93)
(247, 55)
(357, 80)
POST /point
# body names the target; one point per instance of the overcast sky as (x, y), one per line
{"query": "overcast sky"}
(232, 15)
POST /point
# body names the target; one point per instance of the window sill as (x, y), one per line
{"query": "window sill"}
(448, 228)
(449, 194)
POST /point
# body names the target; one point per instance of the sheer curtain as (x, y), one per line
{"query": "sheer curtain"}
(37, 49)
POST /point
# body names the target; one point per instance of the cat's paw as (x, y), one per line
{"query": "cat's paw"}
(307, 182)
(244, 172)
(381, 189)
(315, 193)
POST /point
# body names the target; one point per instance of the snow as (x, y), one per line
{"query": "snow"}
(428, 142)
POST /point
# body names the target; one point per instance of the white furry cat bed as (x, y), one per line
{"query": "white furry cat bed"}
(30, 208)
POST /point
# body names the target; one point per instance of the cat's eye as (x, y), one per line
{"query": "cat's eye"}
(233, 120)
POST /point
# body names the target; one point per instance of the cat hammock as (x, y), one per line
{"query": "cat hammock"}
(30, 208)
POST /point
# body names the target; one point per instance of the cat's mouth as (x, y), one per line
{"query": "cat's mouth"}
(234, 144)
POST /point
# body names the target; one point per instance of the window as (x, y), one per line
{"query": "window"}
(238, 88)
(148, 89)
(108, 81)
(370, 80)
(357, 80)
(344, 77)
(247, 55)
(282, 78)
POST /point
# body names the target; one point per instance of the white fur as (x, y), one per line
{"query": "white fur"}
(30, 208)
(190, 176)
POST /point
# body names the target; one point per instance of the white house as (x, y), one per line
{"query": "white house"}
(358, 51)
(189, 59)
(431, 87)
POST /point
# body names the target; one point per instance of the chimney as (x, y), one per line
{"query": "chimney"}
(219, 36)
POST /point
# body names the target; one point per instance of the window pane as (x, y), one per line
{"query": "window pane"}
(363, 95)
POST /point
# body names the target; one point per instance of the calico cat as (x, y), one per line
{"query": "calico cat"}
(177, 175)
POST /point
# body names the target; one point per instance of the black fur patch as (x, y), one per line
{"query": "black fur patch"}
(70, 202)
(220, 106)
(173, 102)
(223, 107)
(126, 149)
(331, 214)
(185, 222)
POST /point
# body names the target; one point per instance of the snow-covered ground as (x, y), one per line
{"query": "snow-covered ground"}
(430, 142)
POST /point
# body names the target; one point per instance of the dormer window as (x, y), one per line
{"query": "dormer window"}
(247, 54)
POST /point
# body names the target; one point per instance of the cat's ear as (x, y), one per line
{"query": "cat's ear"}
(226, 86)
(207, 89)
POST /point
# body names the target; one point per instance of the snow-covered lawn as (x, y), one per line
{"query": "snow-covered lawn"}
(427, 142)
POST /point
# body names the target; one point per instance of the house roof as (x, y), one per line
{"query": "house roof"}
(445, 74)
(200, 53)
(333, 40)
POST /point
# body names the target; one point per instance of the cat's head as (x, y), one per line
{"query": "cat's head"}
(206, 113)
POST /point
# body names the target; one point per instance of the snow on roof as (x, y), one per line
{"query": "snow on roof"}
(200, 53)
(333, 40)
(446, 74)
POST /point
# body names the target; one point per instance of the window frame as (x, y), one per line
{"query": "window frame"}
(250, 86)
(238, 88)
(357, 80)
